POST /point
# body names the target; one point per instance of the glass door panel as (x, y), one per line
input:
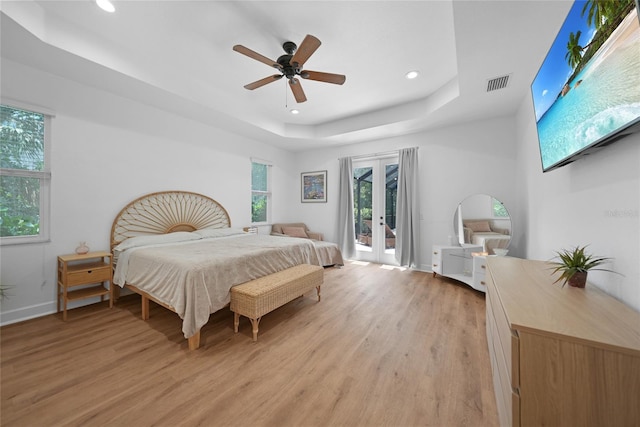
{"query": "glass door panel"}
(375, 185)
(363, 210)
(389, 209)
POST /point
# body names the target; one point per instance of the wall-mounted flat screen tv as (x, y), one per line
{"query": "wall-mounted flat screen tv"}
(587, 91)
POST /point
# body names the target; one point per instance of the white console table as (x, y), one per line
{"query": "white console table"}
(457, 262)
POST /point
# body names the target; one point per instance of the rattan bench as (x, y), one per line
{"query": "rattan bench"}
(260, 296)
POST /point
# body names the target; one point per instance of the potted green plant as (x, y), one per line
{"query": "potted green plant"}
(574, 265)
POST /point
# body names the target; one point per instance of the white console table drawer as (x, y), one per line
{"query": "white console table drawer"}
(436, 260)
(455, 262)
(480, 272)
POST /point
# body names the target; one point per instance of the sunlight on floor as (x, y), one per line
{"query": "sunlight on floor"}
(392, 267)
(384, 266)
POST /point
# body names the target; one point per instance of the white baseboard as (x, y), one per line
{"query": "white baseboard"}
(44, 309)
(425, 268)
(26, 313)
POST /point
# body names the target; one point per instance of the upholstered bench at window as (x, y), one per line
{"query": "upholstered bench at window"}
(260, 296)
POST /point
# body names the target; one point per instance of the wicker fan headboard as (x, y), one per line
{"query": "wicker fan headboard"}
(166, 212)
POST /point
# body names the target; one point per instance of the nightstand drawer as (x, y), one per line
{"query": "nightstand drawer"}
(85, 276)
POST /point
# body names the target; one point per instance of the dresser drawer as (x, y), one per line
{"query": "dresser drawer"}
(507, 400)
(507, 397)
(89, 275)
(506, 338)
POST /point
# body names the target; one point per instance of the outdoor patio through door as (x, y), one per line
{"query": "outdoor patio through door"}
(375, 187)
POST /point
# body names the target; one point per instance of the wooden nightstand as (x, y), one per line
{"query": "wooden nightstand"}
(76, 270)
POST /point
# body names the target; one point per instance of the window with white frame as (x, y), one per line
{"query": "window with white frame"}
(24, 175)
(260, 191)
(498, 209)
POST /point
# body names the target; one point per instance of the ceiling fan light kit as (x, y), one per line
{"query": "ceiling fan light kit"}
(290, 66)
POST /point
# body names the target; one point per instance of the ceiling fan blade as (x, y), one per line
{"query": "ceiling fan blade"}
(255, 55)
(262, 82)
(296, 88)
(337, 79)
(305, 50)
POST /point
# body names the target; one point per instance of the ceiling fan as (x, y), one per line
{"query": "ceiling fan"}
(290, 66)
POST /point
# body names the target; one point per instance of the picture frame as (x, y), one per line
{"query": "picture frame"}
(314, 187)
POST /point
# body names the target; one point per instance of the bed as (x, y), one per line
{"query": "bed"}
(329, 254)
(482, 232)
(179, 250)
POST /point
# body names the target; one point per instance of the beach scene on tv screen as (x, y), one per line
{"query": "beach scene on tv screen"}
(588, 86)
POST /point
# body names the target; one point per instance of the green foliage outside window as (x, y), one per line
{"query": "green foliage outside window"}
(259, 192)
(19, 206)
(259, 208)
(362, 199)
(499, 211)
(21, 152)
(259, 177)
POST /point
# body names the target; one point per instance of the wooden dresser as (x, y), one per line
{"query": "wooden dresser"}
(560, 356)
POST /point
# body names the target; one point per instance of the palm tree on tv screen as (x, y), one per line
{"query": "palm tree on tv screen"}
(574, 50)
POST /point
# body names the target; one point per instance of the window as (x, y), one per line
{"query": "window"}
(499, 211)
(260, 191)
(24, 176)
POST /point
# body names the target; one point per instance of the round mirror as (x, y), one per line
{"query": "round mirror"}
(483, 220)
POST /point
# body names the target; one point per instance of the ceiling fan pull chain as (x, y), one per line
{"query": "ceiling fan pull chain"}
(286, 96)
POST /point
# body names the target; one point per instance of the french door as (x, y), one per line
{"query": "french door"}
(375, 189)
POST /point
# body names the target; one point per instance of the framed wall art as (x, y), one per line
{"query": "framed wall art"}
(314, 187)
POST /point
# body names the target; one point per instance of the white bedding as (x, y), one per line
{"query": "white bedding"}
(195, 276)
(328, 253)
(490, 240)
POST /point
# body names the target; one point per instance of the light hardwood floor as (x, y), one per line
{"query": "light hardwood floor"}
(383, 348)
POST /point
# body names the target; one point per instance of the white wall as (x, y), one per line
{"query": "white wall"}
(594, 201)
(455, 162)
(107, 151)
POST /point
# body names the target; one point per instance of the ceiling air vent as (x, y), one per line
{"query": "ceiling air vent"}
(498, 83)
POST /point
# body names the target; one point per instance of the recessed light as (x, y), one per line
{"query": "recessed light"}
(412, 74)
(295, 111)
(106, 5)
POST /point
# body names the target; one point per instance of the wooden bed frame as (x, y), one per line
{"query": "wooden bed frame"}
(161, 213)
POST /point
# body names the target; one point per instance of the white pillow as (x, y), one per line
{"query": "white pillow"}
(154, 239)
(217, 232)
